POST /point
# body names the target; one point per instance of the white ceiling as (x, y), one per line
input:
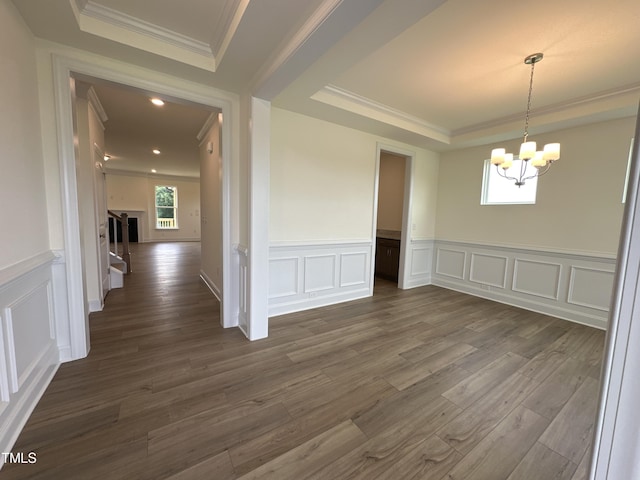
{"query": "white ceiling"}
(433, 73)
(135, 127)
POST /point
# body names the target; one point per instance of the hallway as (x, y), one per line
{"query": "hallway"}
(140, 344)
(425, 383)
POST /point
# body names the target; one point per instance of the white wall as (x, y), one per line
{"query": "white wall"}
(390, 192)
(29, 353)
(578, 206)
(211, 207)
(22, 189)
(425, 195)
(322, 196)
(322, 181)
(322, 178)
(135, 194)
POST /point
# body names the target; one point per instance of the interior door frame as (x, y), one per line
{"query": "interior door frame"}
(405, 238)
(98, 155)
(65, 69)
(616, 445)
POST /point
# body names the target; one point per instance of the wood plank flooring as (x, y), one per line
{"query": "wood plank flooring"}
(426, 383)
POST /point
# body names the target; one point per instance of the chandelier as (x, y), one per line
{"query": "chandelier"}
(533, 162)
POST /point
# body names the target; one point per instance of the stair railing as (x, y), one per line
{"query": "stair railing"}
(123, 220)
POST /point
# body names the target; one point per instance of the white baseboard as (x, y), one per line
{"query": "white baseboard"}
(323, 301)
(95, 306)
(169, 240)
(527, 304)
(211, 285)
(15, 413)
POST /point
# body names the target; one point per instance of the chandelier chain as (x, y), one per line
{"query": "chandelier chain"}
(526, 119)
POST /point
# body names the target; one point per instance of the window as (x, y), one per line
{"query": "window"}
(497, 190)
(166, 207)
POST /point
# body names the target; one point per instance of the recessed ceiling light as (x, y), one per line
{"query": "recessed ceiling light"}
(153, 170)
(106, 157)
(156, 151)
(157, 101)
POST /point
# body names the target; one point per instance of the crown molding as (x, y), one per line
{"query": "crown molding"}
(226, 27)
(352, 102)
(293, 44)
(109, 23)
(88, 93)
(136, 25)
(160, 176)
(588, 102)
(602, 105)
(95, 103)
(211, 119)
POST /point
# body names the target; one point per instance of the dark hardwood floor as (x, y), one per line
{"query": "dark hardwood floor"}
(425, 383)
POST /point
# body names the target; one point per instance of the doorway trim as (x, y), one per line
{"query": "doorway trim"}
(616, 446)
(405, 237)
(65, 69)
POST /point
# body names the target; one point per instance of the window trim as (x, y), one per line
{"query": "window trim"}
(488, 170)
(175, 207)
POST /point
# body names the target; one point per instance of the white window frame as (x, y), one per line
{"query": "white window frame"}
(174, 225)
(521, 195)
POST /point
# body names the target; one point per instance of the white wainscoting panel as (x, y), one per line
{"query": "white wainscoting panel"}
(283, 277)
(489, 269)
(571, 286)
(319, 273)
(351, 271)
(24, 320)
(586, 288)
(537, 278)
(304, 276)
(451, 262)
(420, 255)
(29, 353)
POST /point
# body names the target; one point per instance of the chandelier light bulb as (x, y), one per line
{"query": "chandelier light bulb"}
(527, 150)
(497, 156)
(551, 152)
(538, 160)
(508, 161)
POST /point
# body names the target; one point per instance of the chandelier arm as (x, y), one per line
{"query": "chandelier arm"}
(546, 169)
(503, 174)
(523, 170)
(539, 173)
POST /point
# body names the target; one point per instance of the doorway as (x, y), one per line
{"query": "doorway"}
(391, 225)
(391, 180)
(65, 70)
